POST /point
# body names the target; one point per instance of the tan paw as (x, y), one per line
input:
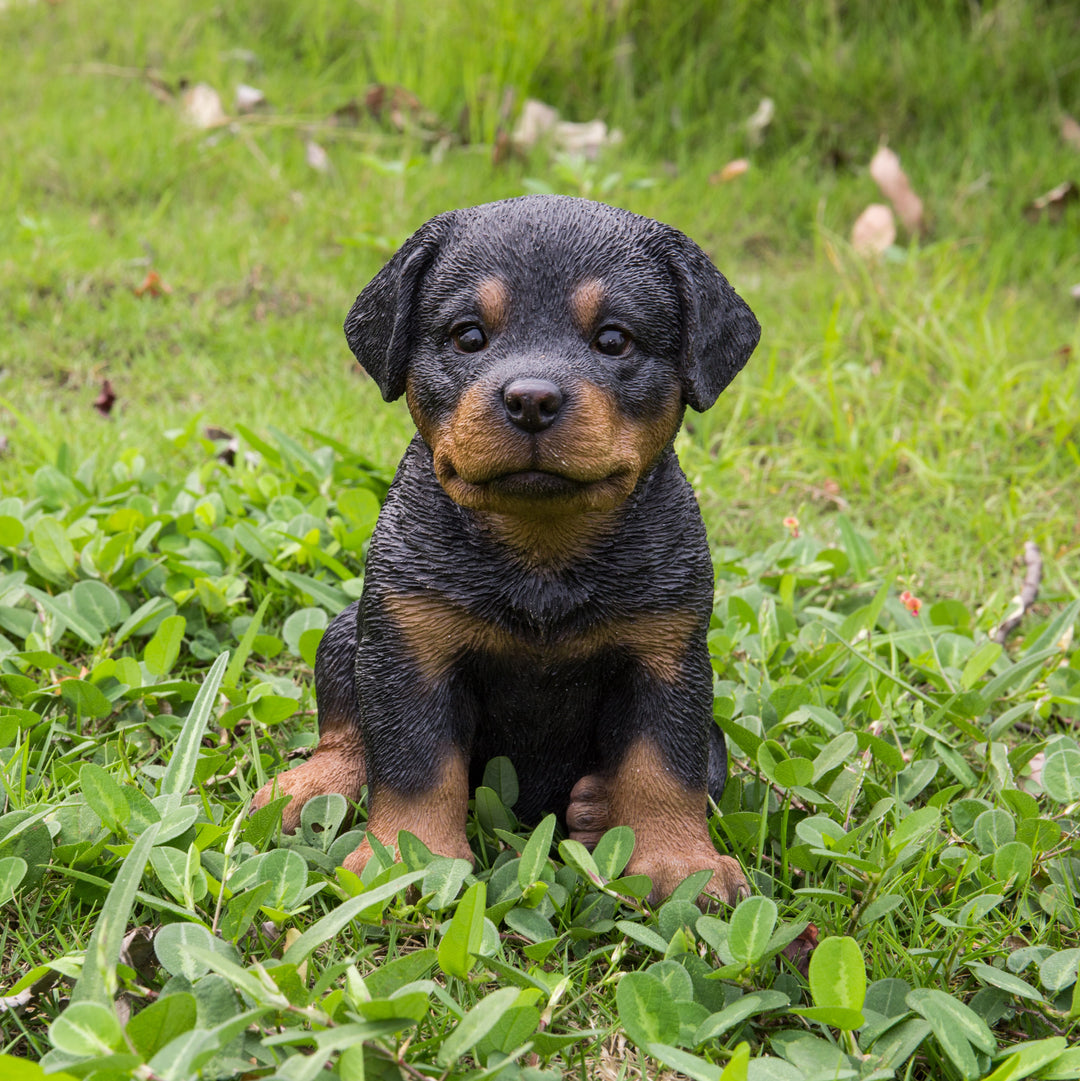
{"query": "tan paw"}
(332, 770)
(668, 868)
(357, 860)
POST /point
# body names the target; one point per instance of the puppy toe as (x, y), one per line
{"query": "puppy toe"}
(588, 813)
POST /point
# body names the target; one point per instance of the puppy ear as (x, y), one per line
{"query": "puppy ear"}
(381, 325)
(719, 330)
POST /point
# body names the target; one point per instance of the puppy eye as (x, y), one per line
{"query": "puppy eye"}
(468, 338)
(612, 342)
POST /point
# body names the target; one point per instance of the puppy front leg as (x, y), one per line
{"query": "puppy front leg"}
(416, 728)
(654, 781)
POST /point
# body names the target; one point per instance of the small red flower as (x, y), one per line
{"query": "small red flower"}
(792, 523)
(910, 602)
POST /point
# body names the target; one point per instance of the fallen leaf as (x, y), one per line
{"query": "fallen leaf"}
(249, 98)
(895, 186)
(730, 171)
(152, 285)
(137, 951)
(1070, 131)
(316, 156)
(103, 403)
(1052, 203)
(202, 107)
(538, 121)
(798, 951)
(762, 117)
(874, 230)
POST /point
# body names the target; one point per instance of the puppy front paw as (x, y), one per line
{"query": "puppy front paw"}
(668, 867)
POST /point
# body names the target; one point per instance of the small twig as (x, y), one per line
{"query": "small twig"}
(1028, 592)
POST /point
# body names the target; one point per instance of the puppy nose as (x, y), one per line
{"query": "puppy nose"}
(532, 404)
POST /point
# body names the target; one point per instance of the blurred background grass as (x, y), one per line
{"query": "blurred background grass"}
(933, 396)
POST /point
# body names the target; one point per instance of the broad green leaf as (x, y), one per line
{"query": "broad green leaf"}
(98, 980)
(52, 546)
(993, 829)
(534, 856)
(105, 797)
(958, 1029)
(185, 753)
(476, 1024)
(914, 827)
(163, 649)
(87, 1029)
(687, 1064)
(501, 777)
(647, 1011)
(580, 858)
(1032, 1056)
(1061, 775)
(366, 904)
(837, 974)
(151, 1029)
(12, 871)
(751, 927)
(99, 605)
(750, 1005)
(85, 698)
(792, 772)
(1012, 861)
(443, 879)
(463, 934)
(847, 1020)
(613, 851)
(1060, 970)
(175, 945)
(303, 619)
(996, 977)
(979, 663)
(286, 872)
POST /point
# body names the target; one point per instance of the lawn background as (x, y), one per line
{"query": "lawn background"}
(918, 413)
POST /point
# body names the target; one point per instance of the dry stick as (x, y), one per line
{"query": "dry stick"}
(1028, 592)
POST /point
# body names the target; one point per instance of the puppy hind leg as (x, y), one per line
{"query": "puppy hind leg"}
(337, 764)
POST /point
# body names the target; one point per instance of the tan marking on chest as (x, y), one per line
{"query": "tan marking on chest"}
(439, 634)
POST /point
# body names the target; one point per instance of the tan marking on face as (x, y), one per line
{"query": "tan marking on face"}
(493, 302)
(591, 443)
(336, 766)
(586, 302)
(437, 816)
(669, 820)
(439, 634)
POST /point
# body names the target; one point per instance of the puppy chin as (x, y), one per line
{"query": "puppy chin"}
(534, 493)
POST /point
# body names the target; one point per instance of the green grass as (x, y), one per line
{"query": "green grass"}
(918, 416)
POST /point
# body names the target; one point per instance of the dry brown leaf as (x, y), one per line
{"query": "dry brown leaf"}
(201, 106)
(760, 120)
(538, 121)
(874, 230)
(1052, 203)
(316, 156)
(152, 285)
(730, 171)
(1070, 131)
(105, 400)
(249, 98)
(895, 186)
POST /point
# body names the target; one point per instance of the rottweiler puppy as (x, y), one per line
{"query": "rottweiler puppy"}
(539, 584)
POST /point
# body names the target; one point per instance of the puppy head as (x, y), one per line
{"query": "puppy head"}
(547, 347)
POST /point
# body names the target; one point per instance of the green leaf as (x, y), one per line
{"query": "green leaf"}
(996, 977)
(12, 531)
(979, 663)
(286, 872)
(993, 829)
(501, 777)
(751, 928)
(535, 854)
(151, 1029)
(792, 772)
(87, 1029)
(580, 858)
(12, 871)
(840, 1017)
(365, 905)
(303, 619)
(98, 980)
(185, 752)
(85, 698)
(750, 1005)
(163, 649)
(176, 944)
(243, 650)
(837, 974)
(613, 851)
(464, 933)
(476, 1024)
(105, 797)
(647, 1010)
(957, 1028)
(686, 1064)
(1012, 862)
(52, 546)
(1060, 970)
(1061, 775)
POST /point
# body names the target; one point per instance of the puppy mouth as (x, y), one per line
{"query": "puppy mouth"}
(535, 484)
